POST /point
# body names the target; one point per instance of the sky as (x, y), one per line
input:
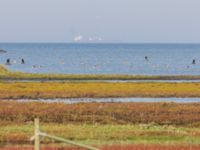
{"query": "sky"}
(132, 21)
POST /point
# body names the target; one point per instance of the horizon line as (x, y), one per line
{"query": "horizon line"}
(99, 42)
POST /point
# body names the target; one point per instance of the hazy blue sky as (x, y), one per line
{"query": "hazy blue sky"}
(100, 20)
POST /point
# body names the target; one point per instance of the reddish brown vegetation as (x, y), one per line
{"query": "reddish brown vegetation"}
(44, 148)
(151, 147)
(103, 113)
(128, 147)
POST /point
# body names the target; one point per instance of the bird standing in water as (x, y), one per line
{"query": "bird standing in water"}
(8, 61)
(146, 58)
(193, 61)
(22, 61)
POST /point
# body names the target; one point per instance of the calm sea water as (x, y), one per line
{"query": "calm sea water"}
(163, 59)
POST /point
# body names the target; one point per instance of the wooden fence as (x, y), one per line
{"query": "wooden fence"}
(39, 134)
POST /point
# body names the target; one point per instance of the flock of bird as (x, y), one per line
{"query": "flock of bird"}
(8, 62)
(22, 61)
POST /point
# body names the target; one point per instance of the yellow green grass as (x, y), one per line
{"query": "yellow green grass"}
(6, 74)
(96, 90)
(105, 134)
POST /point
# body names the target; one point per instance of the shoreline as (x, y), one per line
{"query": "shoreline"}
(9, 75)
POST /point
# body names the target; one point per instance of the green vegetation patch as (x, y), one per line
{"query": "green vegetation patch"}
(105, 134)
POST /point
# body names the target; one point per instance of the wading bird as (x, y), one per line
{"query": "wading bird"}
(193, 61)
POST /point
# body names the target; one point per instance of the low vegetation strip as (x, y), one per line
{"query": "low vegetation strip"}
(103, 134)
(152, 147)
(96, 90)
(114, 147)
(102, 113)
(6, 74)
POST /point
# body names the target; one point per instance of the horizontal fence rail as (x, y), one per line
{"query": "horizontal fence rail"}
(39, 134)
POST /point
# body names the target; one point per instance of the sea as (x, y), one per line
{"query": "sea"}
(109, 58)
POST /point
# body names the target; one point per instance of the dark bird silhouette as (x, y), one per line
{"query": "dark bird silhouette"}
(193, 61)
(146, 58)
(22, 61)
(8, 61)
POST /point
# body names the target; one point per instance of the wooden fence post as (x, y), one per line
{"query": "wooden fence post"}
(37, 134)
